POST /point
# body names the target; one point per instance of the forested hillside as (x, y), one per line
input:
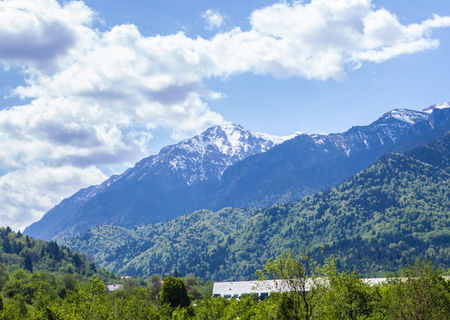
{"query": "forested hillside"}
(228, 166)
(382, 218)
(18, 251)
(310, 163)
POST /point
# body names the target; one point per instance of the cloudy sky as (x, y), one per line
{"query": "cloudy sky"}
(89, 88)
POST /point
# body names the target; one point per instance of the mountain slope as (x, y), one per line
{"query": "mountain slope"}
(383, 217)
(157, 188)
(230, 166)
(311, 163)
(23, 252)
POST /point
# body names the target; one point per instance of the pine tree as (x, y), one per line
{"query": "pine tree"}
(29, 245)
(6, 245)
(28, 264)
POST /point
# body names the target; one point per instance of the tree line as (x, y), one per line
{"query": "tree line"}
(418, 292)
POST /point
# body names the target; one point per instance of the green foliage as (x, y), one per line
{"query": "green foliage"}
(38, 255)
(420, 292)
(3, 276)
(343, 295)
(293, 269)
(174, 293)
(198, 289)
(296, 276)
(383, 218)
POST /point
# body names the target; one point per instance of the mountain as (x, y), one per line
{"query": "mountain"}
(382, 218)
(159, 187)
(311, 163)
(230, 166)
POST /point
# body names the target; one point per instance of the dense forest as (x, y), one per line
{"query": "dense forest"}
(380, 219)
(420, 293)
(18, 251)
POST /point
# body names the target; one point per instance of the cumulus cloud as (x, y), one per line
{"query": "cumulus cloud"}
(213, 19)
(321, 39)
(37, 32)
(96, 96)
(27, 193)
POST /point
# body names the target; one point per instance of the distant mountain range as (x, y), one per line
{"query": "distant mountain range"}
(230, 166)
(159, 187)
(382, 218)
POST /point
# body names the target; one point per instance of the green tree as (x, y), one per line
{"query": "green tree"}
(137, 305)
(28, 264)
(84, 304)
(343, 295)
(69, 282)
(14, 309)
(421, 294)
(3, 276)
(6, 245)
(211, 308)
(295, 282)
(174, 293)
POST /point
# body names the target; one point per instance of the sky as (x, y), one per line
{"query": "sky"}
(89, 88)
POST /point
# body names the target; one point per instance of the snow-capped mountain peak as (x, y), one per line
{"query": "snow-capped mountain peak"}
(207, 154)
(190, 175)
(443, 105)
(229, 139)
(232, 139)
(405, 115)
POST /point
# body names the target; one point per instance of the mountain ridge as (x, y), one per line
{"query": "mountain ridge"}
(309, 163)
(175, 169)
(231, 166)
(378, 220)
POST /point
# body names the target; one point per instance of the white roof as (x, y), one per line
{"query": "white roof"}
(113, 287)
(247, 287)
(374, 281)
(234, 288)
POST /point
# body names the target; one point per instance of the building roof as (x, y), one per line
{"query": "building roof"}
(113, 287)
(237, 288)
(247, 287)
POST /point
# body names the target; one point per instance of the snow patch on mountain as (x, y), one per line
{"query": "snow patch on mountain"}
(408, 116)
(231, 139)
(276, 139)
(443, 105)
(208, 154)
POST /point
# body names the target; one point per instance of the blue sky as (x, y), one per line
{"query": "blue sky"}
(91, 87)
(295, 104)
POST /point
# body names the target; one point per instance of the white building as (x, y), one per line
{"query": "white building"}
(114, 287)
(235, 289)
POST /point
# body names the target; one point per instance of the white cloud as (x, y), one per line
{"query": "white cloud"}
(38, 32)
(321, 39)
(97, 96)
(213, 19)
(29, 192)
